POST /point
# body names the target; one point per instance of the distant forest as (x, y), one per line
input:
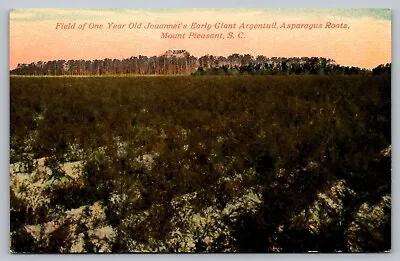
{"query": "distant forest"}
(182, 62)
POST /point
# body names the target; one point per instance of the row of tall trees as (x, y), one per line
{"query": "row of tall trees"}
(382, 69)
(182, 62)
(286, 66)
(171, 62)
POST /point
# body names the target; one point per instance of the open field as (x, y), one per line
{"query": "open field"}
(200, 164)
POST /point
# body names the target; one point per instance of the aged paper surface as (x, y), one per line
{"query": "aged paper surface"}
(200, 130)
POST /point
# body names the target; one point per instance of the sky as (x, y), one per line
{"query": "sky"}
(363, 38)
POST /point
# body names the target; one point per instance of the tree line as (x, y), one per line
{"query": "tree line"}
(182, 62)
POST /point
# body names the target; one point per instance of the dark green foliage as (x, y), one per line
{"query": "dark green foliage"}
(383, 69)
(175, 62)
(313, 149)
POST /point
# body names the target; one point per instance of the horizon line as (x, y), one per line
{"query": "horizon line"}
(198, 57)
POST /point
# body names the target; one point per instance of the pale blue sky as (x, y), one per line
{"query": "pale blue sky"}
(26, 15)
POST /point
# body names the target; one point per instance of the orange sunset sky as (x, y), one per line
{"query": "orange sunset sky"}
(366, 42)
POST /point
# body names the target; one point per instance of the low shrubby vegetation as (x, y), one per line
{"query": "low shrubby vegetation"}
(200, 164)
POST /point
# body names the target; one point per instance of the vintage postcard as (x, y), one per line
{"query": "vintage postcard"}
(200, 130)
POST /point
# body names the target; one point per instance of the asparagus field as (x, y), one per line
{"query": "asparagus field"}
(200, 164)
